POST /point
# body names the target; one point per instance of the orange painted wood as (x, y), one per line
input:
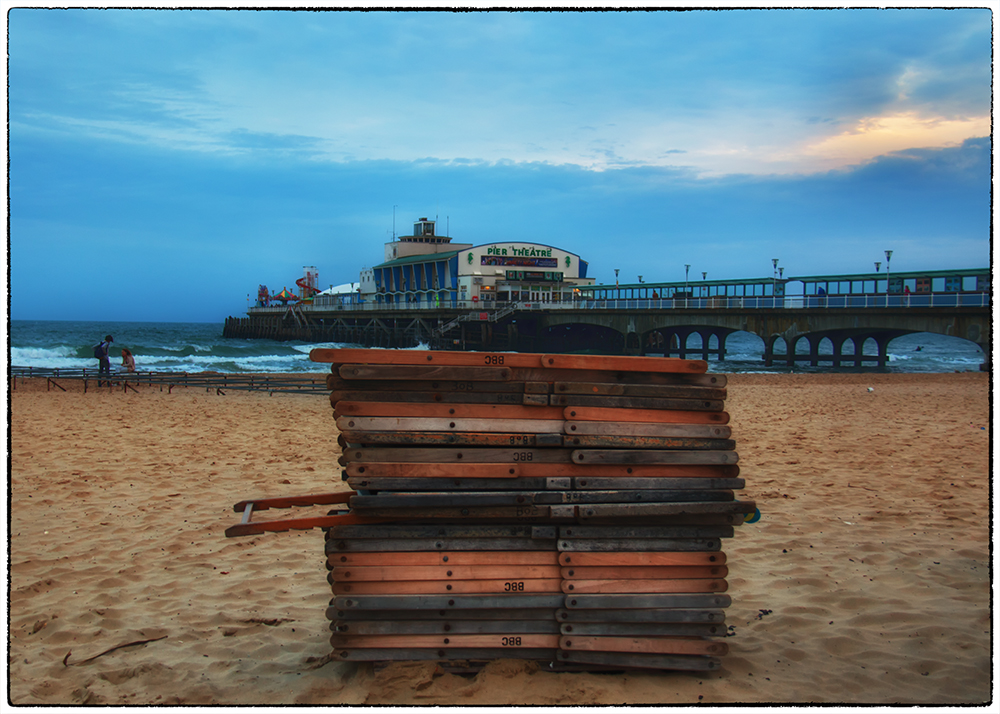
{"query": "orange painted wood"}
(511, 641)
(299, 524)
(471, 411)
(432, 470)
(654, 558)
(388, 469)
(585, 587)
(439, 587)
(449, 571)
(460, 558)
(652, 645)
(352, 355)
(625, 364)
(639, 572)
(654, 416)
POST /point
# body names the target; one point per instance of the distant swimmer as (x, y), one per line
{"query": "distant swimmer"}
(919, 347)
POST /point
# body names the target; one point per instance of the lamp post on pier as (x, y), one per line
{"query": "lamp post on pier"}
(888, 257)
(774, 283)
(687, 267)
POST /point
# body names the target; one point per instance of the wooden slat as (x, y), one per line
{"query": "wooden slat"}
(625, 364)
(456, 424)
(529, 469)
(657, 416)
(450, 411)
(518, 513)
(463, 655)
(649, 645)
(471, 455)
(516, 642)
(647, 442)
(631, 428)
(525, 498)
(409, 530)
(642, 629)
(639, 572)
(337, 545)
(648, 601)
(450, 572)
(431, 587)
(649, 456)
(455, 603)
(614, 545)
(431, 438)
(680, 391)
(466, 397)
(626, 559)
(423, 372)
(553, 375)
(674, 403)
(335, 383)
(451, 358)
(461, 484)
(458, 558)
(645, 617)
(600, 483)
(533, 614)
(634, 532)
(431, 470)
(622, 660)
(455, 627)
(629, 510)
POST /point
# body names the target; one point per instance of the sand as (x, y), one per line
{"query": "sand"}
(867, 580)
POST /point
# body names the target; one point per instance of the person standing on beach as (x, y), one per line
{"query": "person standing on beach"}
(101, 353)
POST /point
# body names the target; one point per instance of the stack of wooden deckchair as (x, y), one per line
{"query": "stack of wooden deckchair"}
(561, 508)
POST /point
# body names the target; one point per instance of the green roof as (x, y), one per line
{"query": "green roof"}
(423, 258)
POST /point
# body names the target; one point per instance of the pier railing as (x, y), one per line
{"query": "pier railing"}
(832, 302)
(300, 384)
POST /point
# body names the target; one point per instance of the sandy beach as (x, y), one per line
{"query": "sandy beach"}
(867, 579)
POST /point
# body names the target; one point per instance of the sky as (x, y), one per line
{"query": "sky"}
(164, 163)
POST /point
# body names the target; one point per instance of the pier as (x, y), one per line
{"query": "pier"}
(835, 316)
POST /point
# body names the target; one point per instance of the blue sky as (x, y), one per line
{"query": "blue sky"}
(164, 163)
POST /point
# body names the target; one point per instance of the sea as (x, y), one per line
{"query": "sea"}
(197, 347)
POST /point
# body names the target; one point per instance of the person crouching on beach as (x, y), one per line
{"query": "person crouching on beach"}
(101, 352)
(128, 361)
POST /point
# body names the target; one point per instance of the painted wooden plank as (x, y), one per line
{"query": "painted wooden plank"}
(641, 661)
(525, 468)
(461, 484)
(439, 397)
(335, 383)
(516, 513)
(450, 358)
(612, 389)
(512, 642)
(450, 572)
(650, 456)
(441, 544)
(409, 530)
(633, 558)
(470, 455)
(631, 428)
(348, 424)
(601, 483)
(672, 403)
(659, 416)
(612, 545)
(626, 496)
(424, 372)
(456, 627)
(628, 510)
(625, 364)
(430, 587)
(353, 439)
(462, 654)
(447, 499)
(648, 645)
(656, 601)
(338, 558)
(647, 442)
(516, 601)
(553, 375)
(716, 616)
(439, 616)
(431, 470)
(450, 411)
(641, 572)
(633, 532)
(642, 629)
